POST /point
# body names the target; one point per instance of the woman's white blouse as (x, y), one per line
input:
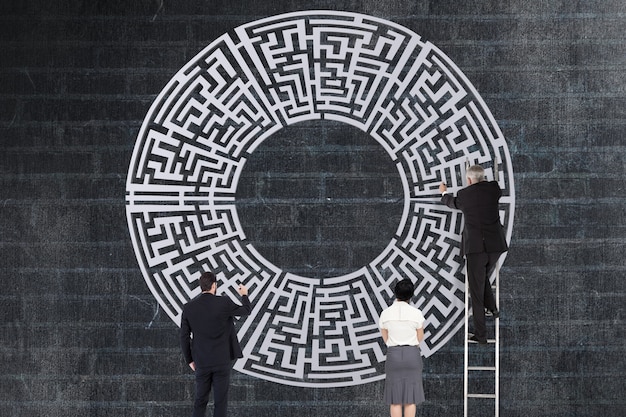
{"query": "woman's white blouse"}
(401, 321)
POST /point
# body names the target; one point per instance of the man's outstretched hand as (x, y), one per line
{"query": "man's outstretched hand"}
(243, 290)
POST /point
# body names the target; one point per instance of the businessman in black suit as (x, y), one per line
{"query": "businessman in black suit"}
(209, 342)
(482, 241)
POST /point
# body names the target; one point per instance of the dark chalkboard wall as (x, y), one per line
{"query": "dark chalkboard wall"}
(81, 335)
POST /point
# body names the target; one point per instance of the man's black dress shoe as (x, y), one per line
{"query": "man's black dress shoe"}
(495, 314)
(473, 338)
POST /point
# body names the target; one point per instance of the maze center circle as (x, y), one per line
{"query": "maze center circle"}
(187, 190)
(319, 199)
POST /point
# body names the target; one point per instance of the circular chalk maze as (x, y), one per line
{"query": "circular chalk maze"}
(246, 86)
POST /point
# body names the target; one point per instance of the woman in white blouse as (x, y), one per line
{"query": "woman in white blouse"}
(402, 327)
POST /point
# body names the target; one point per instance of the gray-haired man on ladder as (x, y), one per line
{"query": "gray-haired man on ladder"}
(483, 241)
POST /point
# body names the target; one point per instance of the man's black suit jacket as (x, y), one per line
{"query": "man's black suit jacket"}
(210, 319)
(482, 231)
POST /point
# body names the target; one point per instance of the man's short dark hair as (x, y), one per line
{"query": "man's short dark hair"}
(206, 280)
(404, 290)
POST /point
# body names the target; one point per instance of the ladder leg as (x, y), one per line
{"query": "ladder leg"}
(466, 343)
(497, 343)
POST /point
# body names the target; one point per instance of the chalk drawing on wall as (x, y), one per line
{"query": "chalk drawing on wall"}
(245, 86)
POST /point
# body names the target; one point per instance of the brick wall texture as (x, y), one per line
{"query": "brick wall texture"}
(81, 334)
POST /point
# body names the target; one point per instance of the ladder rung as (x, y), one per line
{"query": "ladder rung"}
(481, 395)
(481, 368)
(487, 314)
(471, 342)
